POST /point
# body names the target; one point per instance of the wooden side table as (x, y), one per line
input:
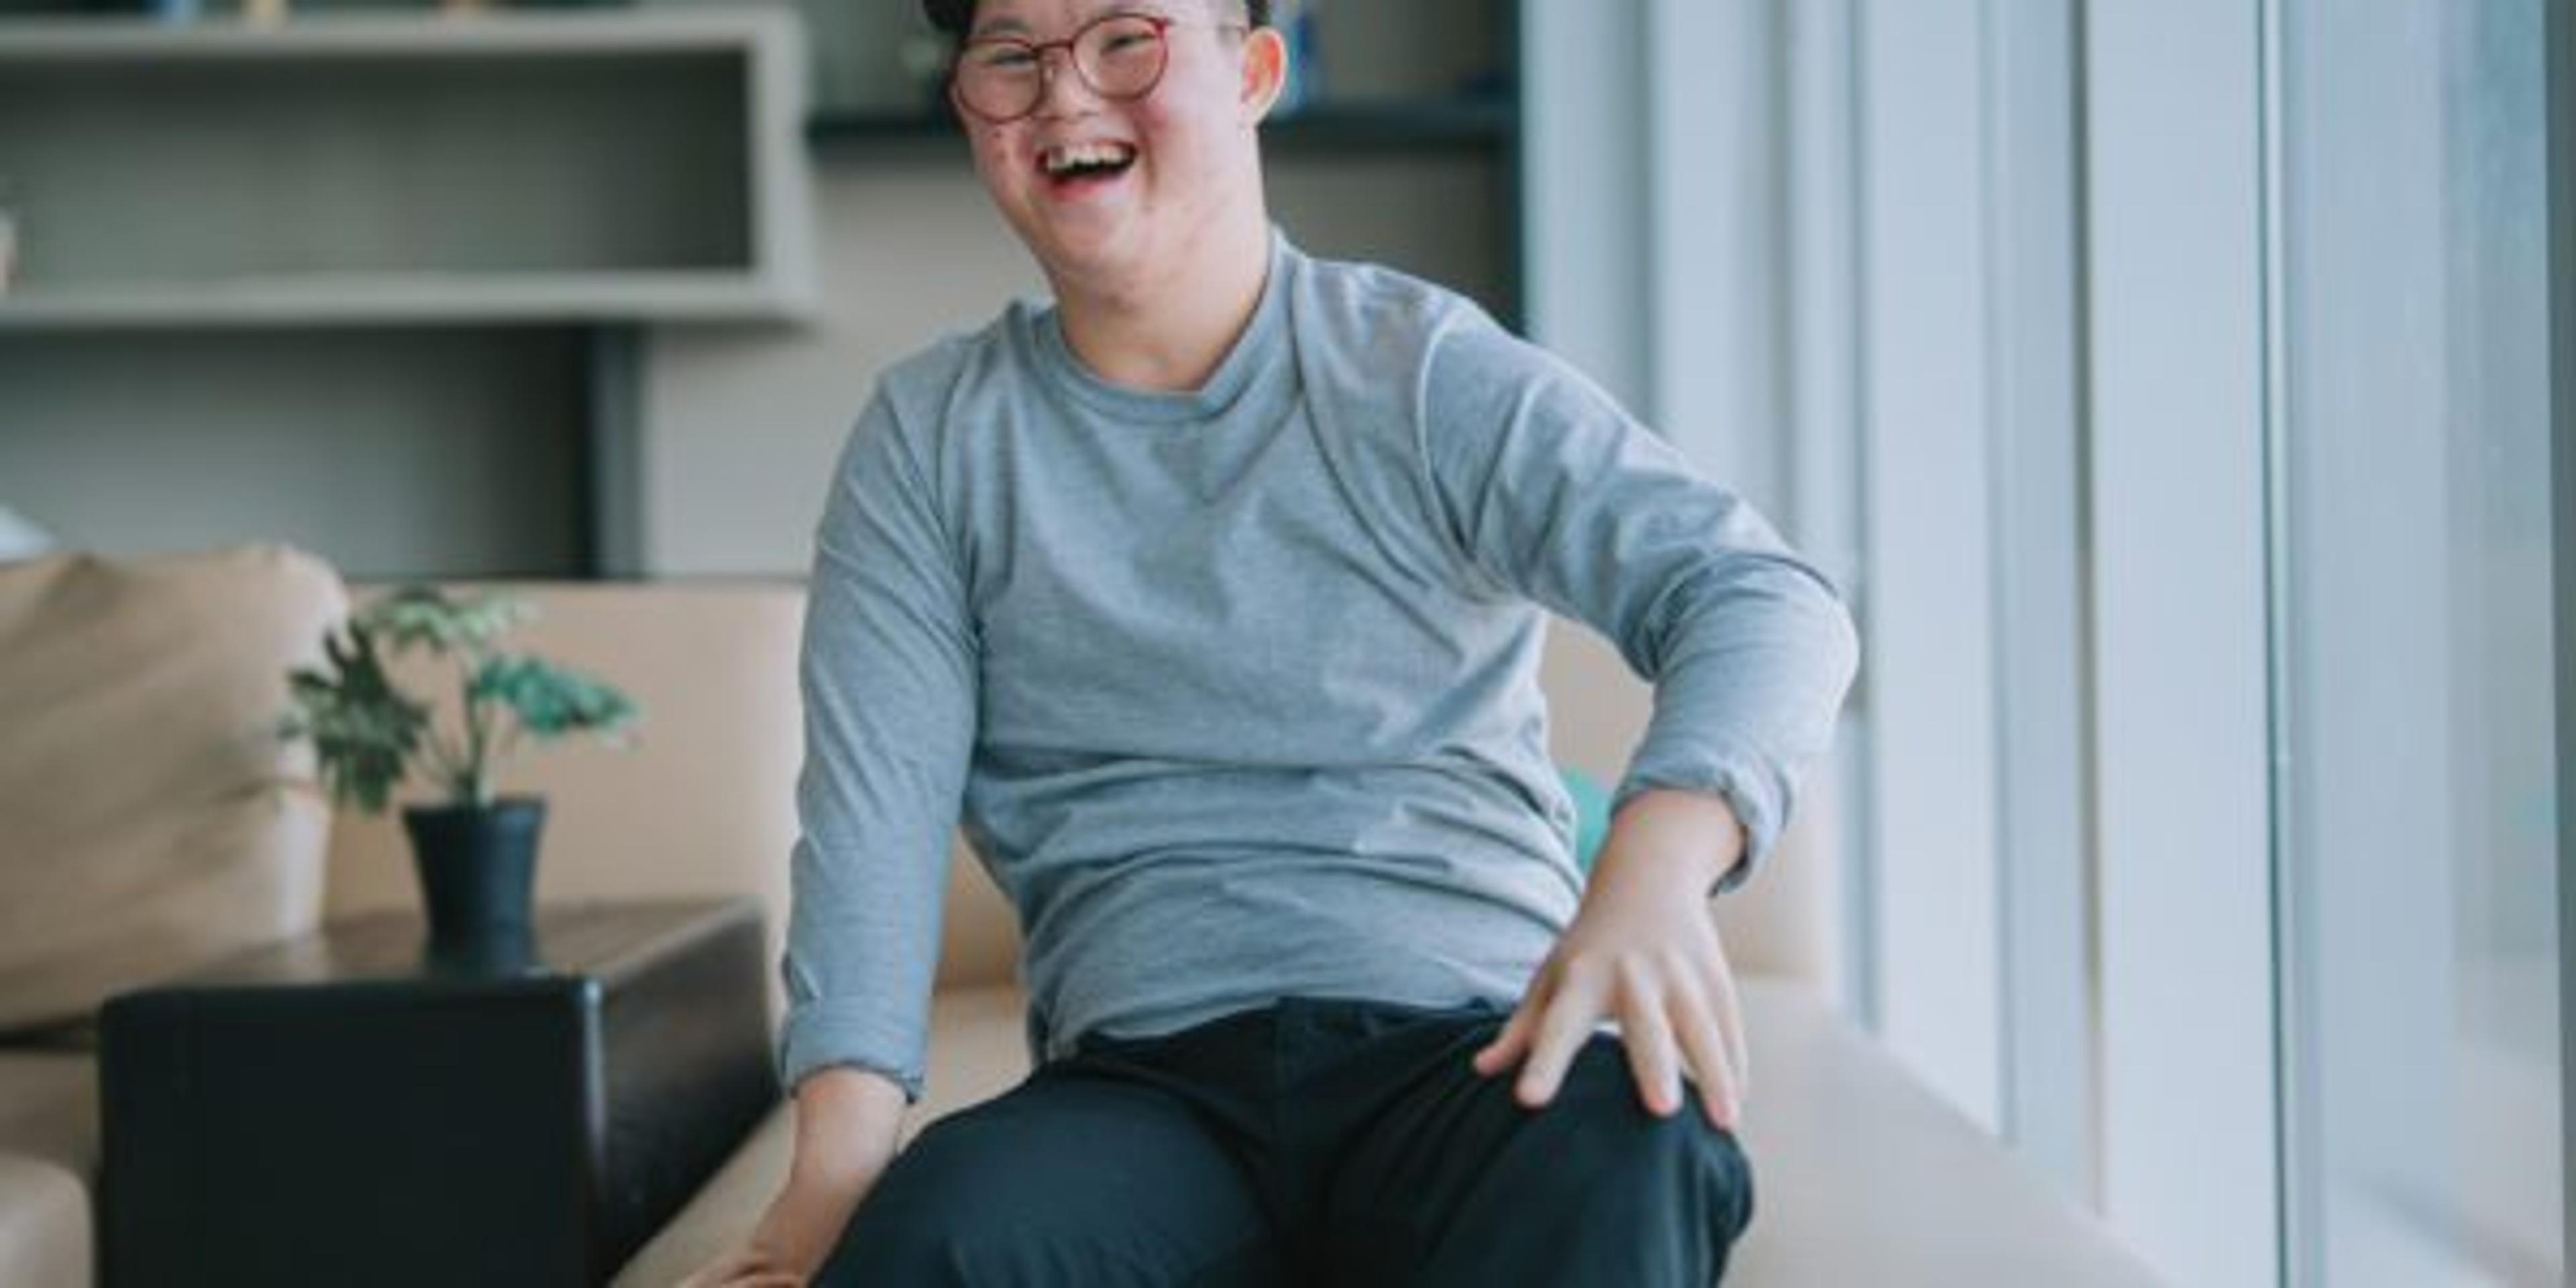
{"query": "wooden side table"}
(347, 1108)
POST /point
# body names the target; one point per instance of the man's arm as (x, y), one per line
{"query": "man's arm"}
(1555, 493)
(846, 1124)
(888, 676)
(889, 679)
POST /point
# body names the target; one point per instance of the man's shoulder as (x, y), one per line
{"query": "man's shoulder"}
(1386, 333)
(931, 377)
(1380, 310)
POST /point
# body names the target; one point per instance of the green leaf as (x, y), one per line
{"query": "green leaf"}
(425, 617)
(550, 701)
(364, 730)
(367, 734)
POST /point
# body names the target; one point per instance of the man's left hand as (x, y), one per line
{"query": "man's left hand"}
(1643, 951)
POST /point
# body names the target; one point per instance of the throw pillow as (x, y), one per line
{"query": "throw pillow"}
(150, 817)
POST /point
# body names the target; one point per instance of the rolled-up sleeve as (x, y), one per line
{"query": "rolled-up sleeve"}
(1553, 492)
(888, 673)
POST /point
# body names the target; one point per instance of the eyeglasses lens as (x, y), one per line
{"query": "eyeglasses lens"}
(1120, 57)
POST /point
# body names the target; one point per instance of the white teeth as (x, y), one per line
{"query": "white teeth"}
(1064, 157)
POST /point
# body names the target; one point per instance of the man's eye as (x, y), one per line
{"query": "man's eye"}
(1005, 60)
(1128, 43)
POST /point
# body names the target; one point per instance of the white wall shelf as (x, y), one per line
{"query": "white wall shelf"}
(399, 299)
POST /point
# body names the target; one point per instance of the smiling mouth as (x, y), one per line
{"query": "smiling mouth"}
(1079, 163)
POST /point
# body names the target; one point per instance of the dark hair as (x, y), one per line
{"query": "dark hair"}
(956, 16)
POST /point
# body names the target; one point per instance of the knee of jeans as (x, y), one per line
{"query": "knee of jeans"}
(1714, 1162)
(1719, 1163)
(1644, 1161)
(1680, 1147)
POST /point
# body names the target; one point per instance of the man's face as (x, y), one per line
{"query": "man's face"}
(1101, 186)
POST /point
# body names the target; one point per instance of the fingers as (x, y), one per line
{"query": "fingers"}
(1721, 1086)
(1648, 1037)
(1563, 1028)
(1730, 1022)
(1510, 1045)
(1668, 1025)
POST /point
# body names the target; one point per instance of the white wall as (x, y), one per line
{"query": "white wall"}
(394, 451)
(1583, 190)
(740, 427)
(2176, 325)
(1714, 197)
(2043, 708)
(1928, 632)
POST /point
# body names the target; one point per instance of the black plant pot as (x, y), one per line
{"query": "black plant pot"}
(478, 871)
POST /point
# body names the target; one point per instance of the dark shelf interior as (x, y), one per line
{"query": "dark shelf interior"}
(1429, 124)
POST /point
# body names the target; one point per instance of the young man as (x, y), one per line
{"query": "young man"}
(1211, 596)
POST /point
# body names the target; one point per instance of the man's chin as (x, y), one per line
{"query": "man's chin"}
(1091, 252)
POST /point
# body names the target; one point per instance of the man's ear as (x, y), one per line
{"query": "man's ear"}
(1265, 71)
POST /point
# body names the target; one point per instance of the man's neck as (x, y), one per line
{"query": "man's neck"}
(1171, 331)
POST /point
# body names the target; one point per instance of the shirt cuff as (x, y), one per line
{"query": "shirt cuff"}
(816, 1036)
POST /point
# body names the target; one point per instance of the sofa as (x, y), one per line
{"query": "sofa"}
(1863, 1175)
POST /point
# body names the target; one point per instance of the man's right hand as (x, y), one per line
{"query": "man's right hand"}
(847, 1120)
(749, 1266)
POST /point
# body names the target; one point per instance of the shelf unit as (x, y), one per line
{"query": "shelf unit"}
(1319, 131)
(413, 298)
(398, 169)
(371, 281)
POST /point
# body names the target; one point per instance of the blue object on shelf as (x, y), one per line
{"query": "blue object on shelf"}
(1305, 87)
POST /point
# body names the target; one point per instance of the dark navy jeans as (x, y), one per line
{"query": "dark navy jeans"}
(1318, 1141)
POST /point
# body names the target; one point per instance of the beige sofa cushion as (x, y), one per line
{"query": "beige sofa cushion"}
(49, 1110)
(48, 1159)
(45, 1226)
(155, 820)
(1863, 1175)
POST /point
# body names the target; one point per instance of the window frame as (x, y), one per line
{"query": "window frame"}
(2559, 34)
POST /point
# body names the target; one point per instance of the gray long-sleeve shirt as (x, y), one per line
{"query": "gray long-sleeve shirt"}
(1236, 690)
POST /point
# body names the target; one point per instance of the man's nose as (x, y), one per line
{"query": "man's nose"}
(1061, 77)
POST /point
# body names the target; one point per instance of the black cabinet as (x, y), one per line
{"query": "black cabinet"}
(350, 1108)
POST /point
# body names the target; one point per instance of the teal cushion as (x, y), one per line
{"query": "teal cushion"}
(1591, 815)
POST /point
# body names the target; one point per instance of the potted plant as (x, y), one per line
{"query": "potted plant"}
(475, 851)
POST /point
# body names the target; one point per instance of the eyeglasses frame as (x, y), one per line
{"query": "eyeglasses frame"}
(1161, 23)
